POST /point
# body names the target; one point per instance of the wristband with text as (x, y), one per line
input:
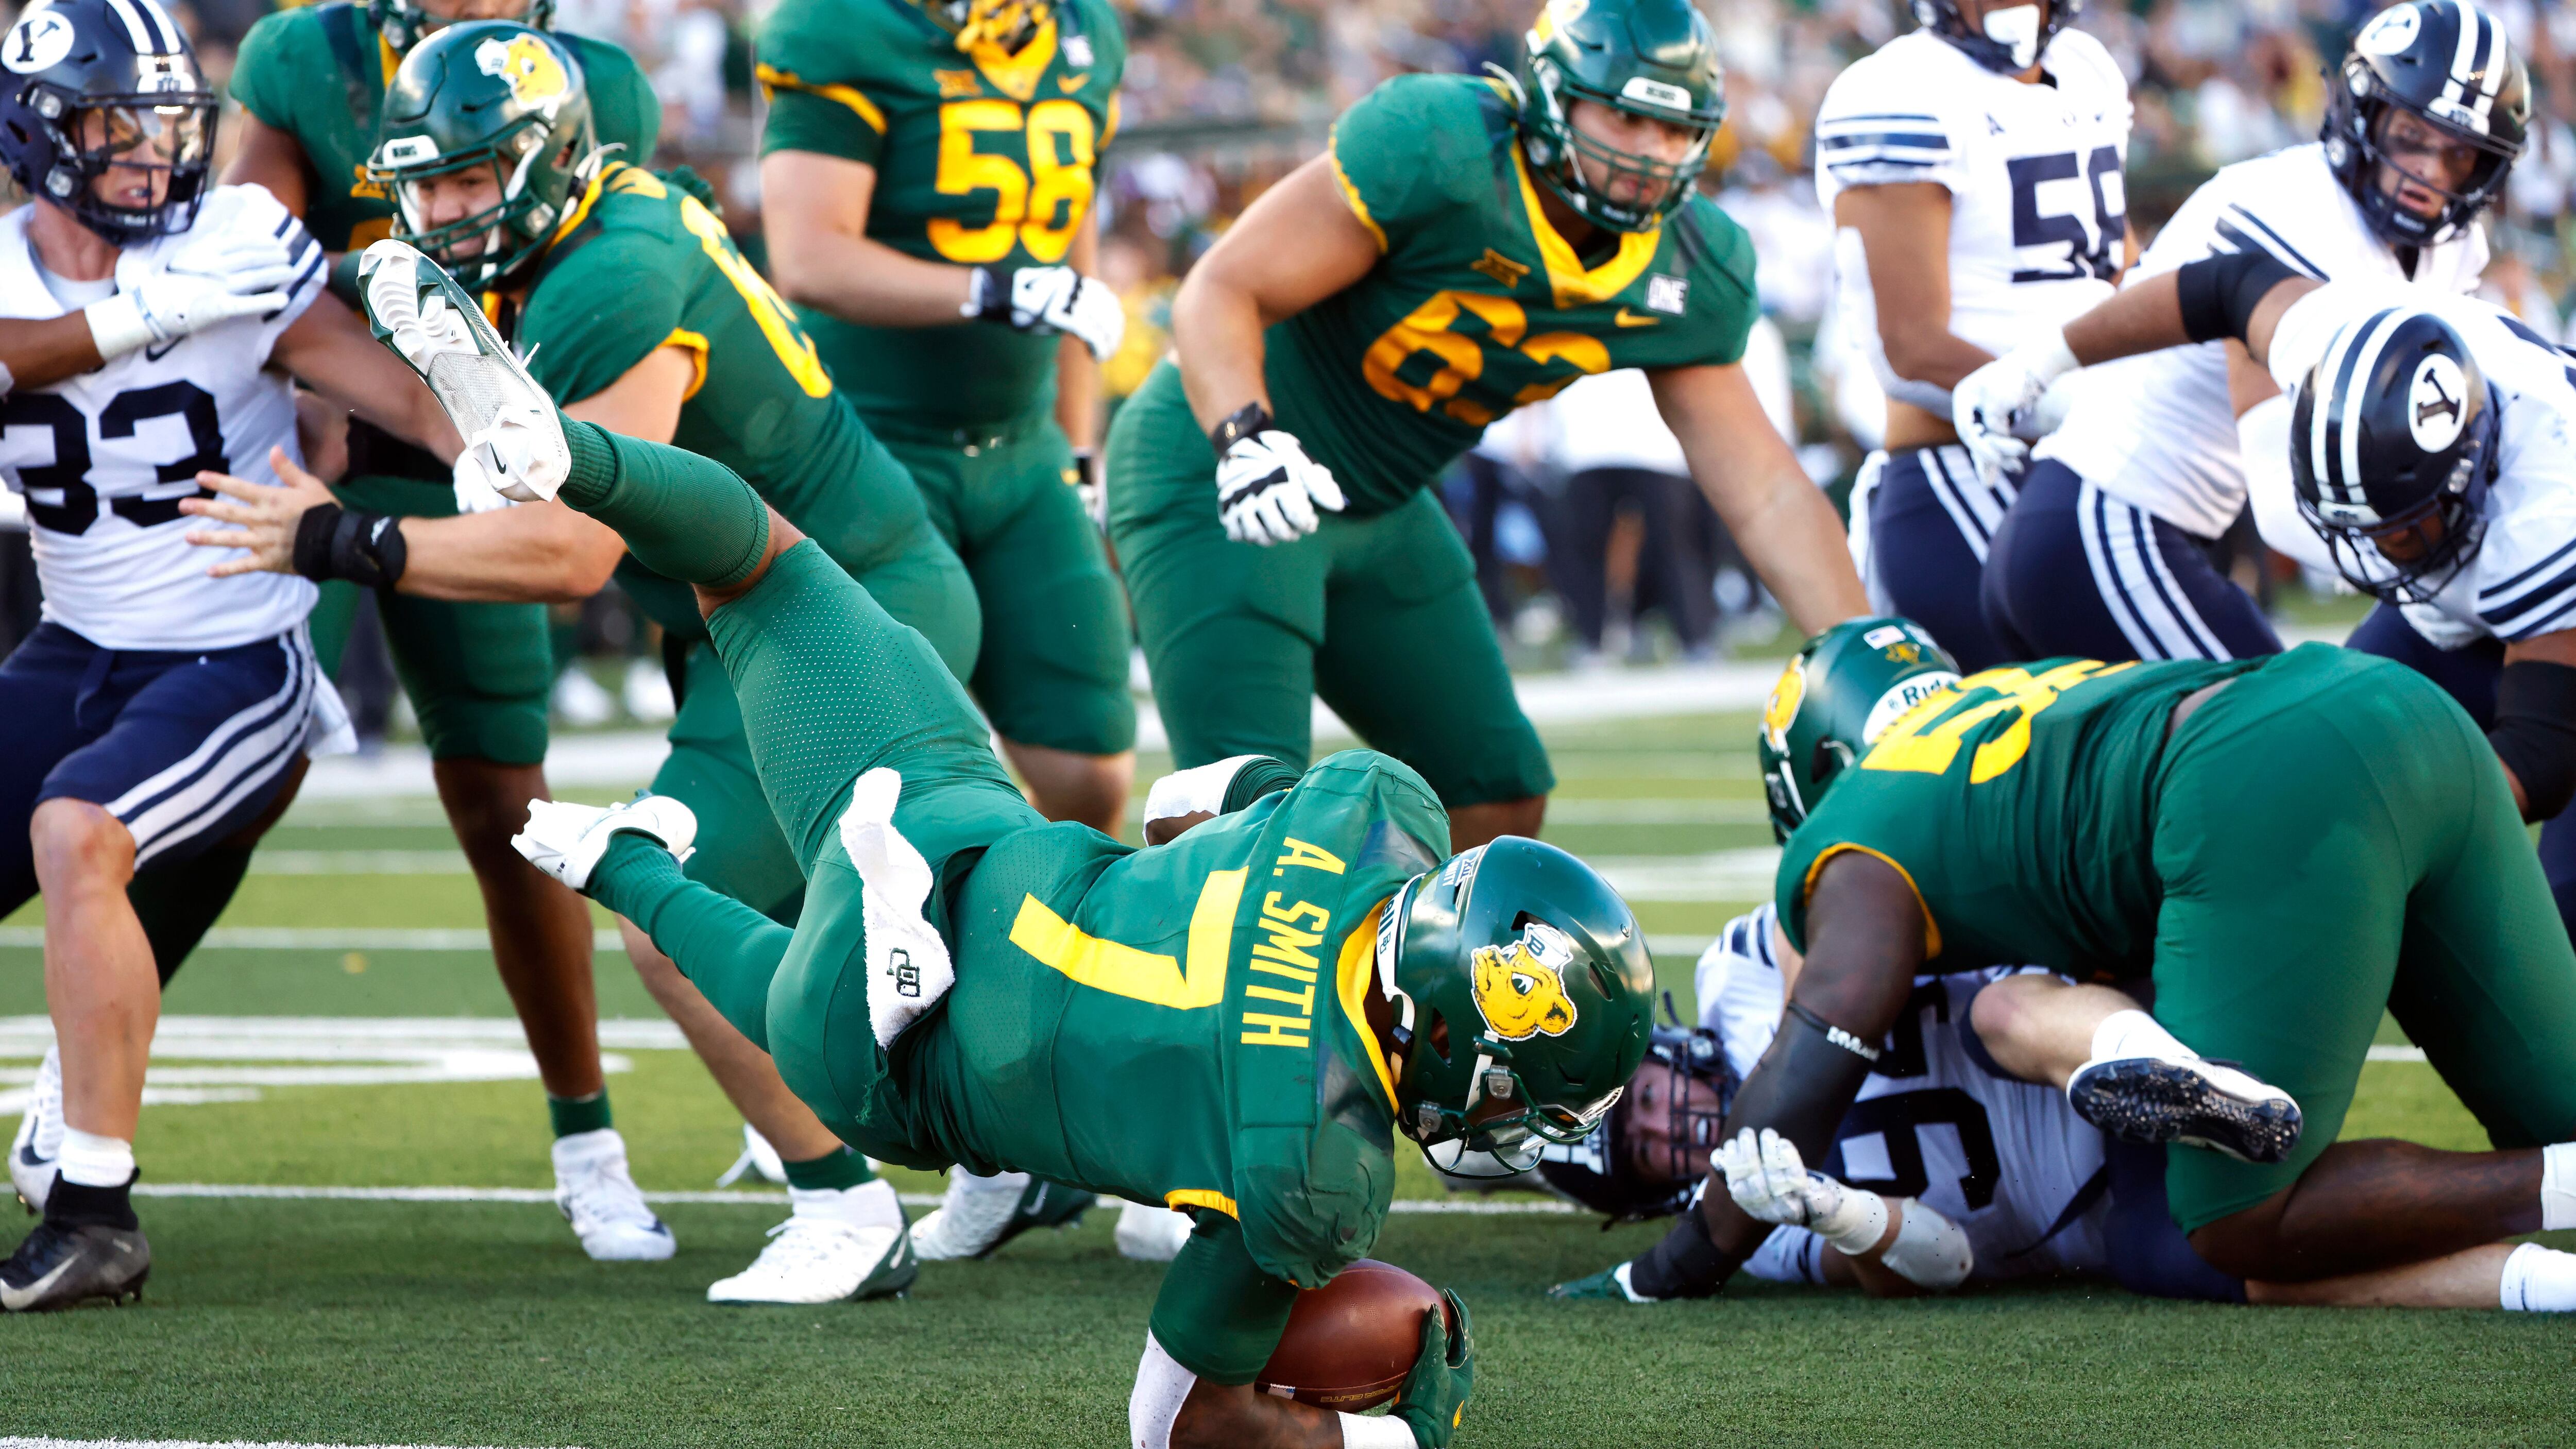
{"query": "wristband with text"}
(1246, 421)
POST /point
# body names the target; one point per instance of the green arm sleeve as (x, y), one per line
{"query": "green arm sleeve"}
(1264, 776)
(1723, 303)
(727, 949)
(605, 309)
(1219, 1316)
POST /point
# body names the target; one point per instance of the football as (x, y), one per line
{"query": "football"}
(1350, 1343)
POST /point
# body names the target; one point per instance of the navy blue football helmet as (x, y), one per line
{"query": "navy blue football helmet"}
(89, 83)
(1995, 53)
(2448, 63)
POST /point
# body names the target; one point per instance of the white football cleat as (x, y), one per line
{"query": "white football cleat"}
(566, 840)
(40, 1135)
(599, 1198)
(980, 1214)
(512, 433)
(758, 1157)
(837, 1245)
(2195, 1101)
(1151, 1234)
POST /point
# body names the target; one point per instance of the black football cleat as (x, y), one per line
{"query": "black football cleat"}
(64, 1265)
(2190, 1100)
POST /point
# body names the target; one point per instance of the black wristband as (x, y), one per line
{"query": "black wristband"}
(342, 280)
(1086, 467)
(1244, 422)
(2219, 294)
(988, 295)
(1685, 1264)
(2535, 733)
(367, 549)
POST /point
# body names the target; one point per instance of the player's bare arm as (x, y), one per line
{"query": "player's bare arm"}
(1293, 247)
(814, 210)
(1774, 511)
(265, 156)
(1905, 234)
(328, 350)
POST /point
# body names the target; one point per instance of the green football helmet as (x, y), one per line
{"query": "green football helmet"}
(1519, 978)
(1654, 58)
(492, 94)
(402, 23)
(1835, 699)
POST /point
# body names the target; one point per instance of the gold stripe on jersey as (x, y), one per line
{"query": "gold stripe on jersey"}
(1206, 1197)
(773, 80)
(1352, 976)
(1931, 928)
(1351, 194)
(695, 344)
(1566, 275)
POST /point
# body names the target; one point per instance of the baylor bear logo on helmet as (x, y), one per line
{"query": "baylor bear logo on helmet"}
(1781, 710)
(1520, 987)
(528, 66)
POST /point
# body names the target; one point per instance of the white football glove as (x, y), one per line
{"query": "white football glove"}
(1998, 405)
(212, 279)
(1767, 1179)
(1050, 299)
(1267, 489)
(1200, 788)
(908, 964)
(566, 840)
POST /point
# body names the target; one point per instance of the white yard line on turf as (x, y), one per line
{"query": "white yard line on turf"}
(16, 1442)
(344, 938)
(1473, 1207)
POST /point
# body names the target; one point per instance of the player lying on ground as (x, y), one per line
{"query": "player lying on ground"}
(153, 324)
(2289, 846)
(638, 314)
(1467, 246)
(1962, 1154)
(2430, 449)
(1235, 1023)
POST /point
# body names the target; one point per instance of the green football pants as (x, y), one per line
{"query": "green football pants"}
(1380, 616)
(2334, 835)
(1053, 671)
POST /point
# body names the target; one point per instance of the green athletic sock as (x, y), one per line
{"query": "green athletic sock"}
(177, 903)
(834, 1171)
(726, 948)
(683, 516)
(579, 1114)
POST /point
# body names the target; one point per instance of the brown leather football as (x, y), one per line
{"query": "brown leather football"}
(1350, 1343)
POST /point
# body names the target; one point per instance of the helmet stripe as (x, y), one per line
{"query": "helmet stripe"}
(167, 28)
(2348, 399)
(135, 30)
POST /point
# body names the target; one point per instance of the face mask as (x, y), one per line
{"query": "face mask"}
(2016, 29)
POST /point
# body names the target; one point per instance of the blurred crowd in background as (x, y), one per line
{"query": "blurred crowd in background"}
(1223, 97)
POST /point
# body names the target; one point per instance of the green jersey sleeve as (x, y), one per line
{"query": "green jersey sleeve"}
(1408, 152)
(280, 54)
(606, 307)
(1218, 1315)
(1721, 304)
(622, 105)
(814, 73)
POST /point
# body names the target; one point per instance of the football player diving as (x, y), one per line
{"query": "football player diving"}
(1466, 245)
(1235, 1023)
(2431, 456)
(1962, 1154)
(638, 314)
(948, 295)
(310, 81)
(149, 325)
(2286, 847)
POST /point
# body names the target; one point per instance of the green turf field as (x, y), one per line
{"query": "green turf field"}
(479, 1322)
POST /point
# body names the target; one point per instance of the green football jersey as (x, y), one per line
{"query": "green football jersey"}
(641, 264)
(2021, 805)
(982, 158)
(319, 74)
(1477, 305)
(1184, 1025)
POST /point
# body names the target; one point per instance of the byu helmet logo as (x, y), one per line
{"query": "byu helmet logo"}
(2391, 33)
(2437, 403)
(1520, 988)
(38, 42)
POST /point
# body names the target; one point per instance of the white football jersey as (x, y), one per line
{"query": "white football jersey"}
(2522, 581)
(2157, 431)
(2006, 1160)
(2038, 216)
(105, 457)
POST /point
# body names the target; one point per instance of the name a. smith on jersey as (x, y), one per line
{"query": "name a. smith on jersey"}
(1287, 952)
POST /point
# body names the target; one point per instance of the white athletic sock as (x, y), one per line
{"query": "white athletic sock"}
(2133, 1033)
(95, 1161)
(2558, 1186)
(1010, 1182)
(2539, 1280)
(871, 1204)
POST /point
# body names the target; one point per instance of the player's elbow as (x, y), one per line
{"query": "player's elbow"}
(792, 268)
(1916, 349)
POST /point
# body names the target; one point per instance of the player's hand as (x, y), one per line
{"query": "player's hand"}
(1610, 1284)
(566, 841)
(265, 517)
(1435, 1393)
(1050, 299)
(1267, 489)
(214, 278)
(1769, 1180)
(1997, 405)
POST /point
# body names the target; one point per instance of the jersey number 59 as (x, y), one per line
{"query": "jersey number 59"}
(2093, 236)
